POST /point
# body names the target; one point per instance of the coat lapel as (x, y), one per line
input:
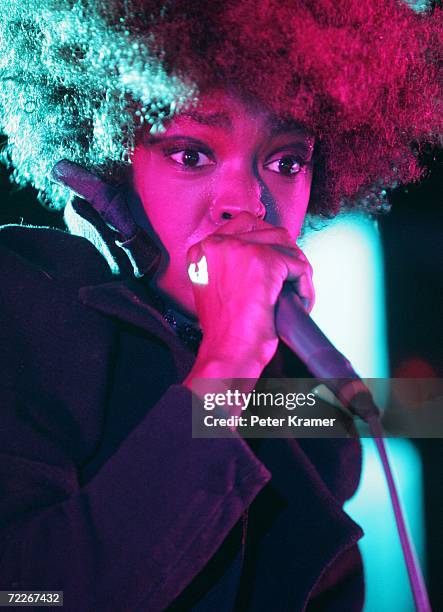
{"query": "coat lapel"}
(304, 527)
(129, 302)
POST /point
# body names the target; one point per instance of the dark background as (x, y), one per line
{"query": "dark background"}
(412, 235)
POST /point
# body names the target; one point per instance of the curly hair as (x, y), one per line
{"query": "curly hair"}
(81, 78)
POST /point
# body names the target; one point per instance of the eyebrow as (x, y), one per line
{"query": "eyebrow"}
(220, 119)
(153, 140)
(280, 126)
(223, 120)
(304, 148)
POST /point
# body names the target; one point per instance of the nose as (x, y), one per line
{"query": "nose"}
(236, 192)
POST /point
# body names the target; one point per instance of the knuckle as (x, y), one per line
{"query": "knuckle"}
(247, 252)
(285, 233)
(257, 254)
(308, 267)
(301, 255)
(280, 268)
(212, 241)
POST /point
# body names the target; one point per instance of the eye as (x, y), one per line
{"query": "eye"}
(190, 158)
(288, 165)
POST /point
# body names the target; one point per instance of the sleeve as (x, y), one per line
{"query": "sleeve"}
(140, 530)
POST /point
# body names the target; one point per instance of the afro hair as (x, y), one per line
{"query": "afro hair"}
(80, 80)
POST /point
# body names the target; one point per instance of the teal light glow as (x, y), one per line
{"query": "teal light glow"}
(419, 6)
(73, 87)
(348, 276)
(385, 571)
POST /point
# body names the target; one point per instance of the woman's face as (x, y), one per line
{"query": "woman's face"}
(211, 163)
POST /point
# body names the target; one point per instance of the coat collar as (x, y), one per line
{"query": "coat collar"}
(126, 298)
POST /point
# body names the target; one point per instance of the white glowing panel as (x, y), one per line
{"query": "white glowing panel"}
(348, 277)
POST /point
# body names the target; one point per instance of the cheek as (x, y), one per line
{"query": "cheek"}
(172, 204)
(291, 203)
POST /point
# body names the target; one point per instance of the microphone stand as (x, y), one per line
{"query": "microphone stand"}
(296, 329)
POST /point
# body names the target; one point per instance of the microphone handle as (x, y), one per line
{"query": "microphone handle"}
(299, 332)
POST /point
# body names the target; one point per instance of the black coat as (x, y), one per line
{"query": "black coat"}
(105, 494)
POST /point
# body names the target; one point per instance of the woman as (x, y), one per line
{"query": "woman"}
(107, 495)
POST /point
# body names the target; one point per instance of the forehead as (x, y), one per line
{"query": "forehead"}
(231, 112)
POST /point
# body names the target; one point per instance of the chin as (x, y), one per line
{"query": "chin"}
(188, 307)
(178, 290)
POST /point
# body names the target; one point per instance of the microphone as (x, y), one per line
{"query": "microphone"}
(299, 332)
(296, 329)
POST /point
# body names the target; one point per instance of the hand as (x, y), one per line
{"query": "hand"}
(248, 261)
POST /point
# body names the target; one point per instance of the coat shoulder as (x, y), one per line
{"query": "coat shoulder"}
(69, 259)
(54, 349)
